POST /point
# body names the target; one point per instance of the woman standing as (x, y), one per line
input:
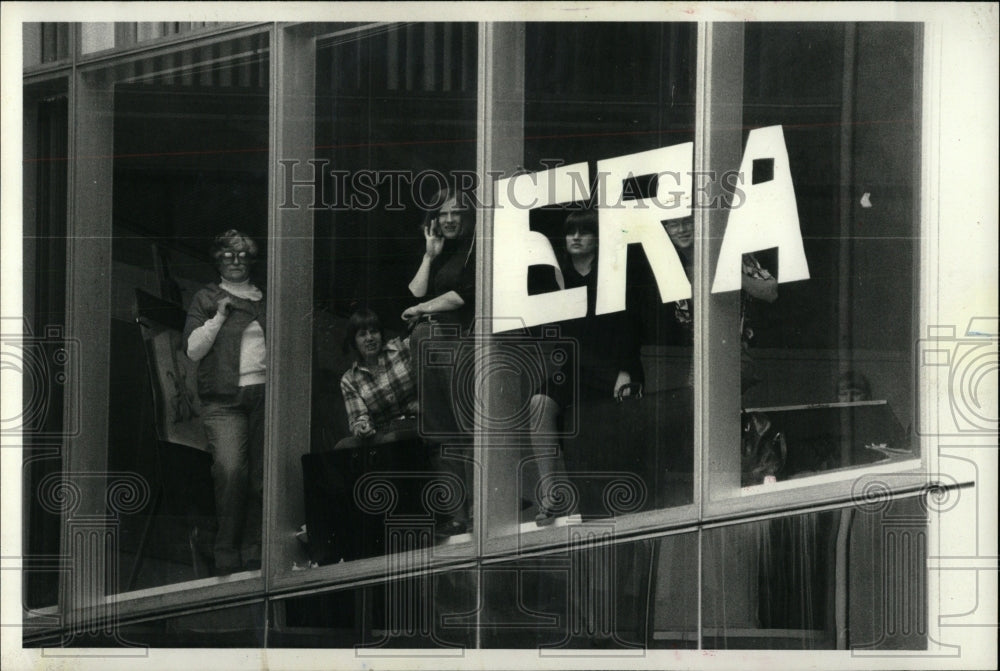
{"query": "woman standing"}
(224, 334)
(446, 277)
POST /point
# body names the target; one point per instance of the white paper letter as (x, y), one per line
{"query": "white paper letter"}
(623, 222)
(768, 218)
(516, 247)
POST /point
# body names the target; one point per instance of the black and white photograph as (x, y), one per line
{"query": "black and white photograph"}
(499, 335)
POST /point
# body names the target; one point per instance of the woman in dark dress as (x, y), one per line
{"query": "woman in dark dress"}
(606, 362)
(446, 279)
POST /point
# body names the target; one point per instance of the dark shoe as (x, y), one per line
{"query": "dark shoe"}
(226, 569)
(449, 528)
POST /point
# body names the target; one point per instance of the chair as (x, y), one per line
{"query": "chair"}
(176, 410)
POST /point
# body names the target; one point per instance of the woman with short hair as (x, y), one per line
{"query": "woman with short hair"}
(380, 386)
(224, 334)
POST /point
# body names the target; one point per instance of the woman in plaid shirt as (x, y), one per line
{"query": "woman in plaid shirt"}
(379, 387)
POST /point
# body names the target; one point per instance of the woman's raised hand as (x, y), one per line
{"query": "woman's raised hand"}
(435, 243)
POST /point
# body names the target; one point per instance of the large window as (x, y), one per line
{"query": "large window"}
(610, 420)
(825, 362)
(395, 112)
(169, 150)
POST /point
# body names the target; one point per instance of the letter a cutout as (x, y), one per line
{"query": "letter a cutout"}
(769, 217)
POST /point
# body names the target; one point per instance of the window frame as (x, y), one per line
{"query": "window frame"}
(294, 265)
(89, 292)
(722, 106)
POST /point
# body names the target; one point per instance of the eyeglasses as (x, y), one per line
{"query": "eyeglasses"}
(231, 257)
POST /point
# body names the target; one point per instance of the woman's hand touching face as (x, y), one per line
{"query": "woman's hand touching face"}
(435, 243)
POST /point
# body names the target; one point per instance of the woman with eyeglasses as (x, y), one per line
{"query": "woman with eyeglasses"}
(224, 334)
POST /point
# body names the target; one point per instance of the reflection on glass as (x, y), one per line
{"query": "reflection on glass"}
(190, 162)
(394, 291)
(614, 413)
(831, 580)
(825, 372)
(427, 611)
(626, 597)
(44, 304)
(239, 626)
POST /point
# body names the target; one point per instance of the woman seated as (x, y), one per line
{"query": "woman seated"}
(380, 386)
(606, 363)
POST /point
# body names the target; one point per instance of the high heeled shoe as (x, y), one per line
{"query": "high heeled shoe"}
(544, 517)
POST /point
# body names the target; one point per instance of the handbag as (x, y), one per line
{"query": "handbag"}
(764, 453)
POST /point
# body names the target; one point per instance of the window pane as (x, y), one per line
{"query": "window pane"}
(96, 36)
(612, 406)
(629, 597)
(428, 611)
(395, 126)
(190, 148)
(44, 301)
(239, 626)
(839, 579)
(45, 42)
(839, 342)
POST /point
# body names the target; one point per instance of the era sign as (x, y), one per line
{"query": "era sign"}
(767, 218)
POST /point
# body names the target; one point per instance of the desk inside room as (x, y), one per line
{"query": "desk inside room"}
(826, 436)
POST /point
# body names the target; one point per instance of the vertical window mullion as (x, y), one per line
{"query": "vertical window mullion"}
(500, 147)
(717, 149)
(289, 286)
(718, 120)
(88, 301)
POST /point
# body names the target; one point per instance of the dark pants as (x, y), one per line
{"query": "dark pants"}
(235, 431)
(442, 360)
